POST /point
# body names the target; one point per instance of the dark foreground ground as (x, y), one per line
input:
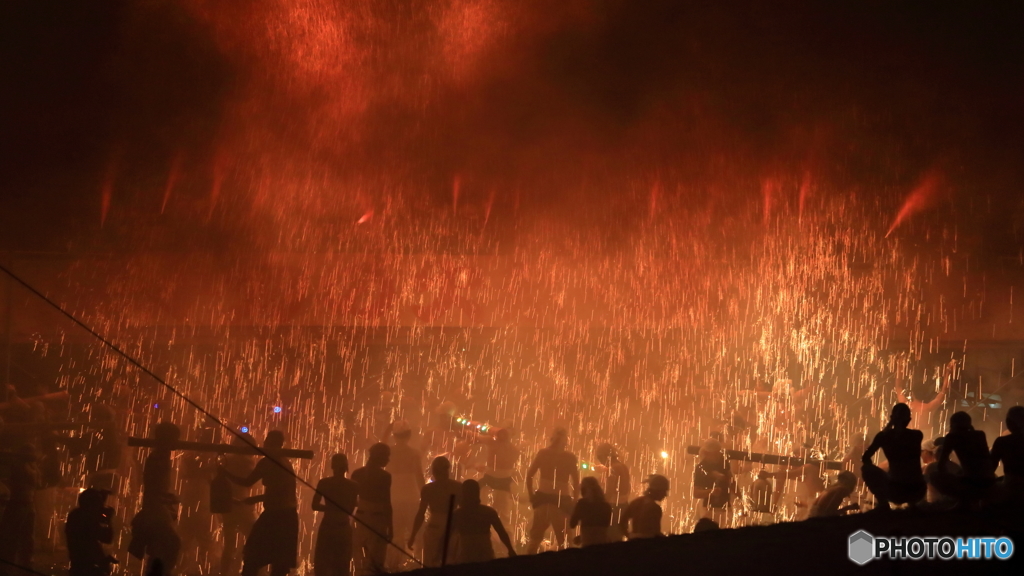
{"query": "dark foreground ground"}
(793, 549)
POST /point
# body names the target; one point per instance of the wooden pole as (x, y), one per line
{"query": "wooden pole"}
(223, 448)
(772, 458)
(448, 530)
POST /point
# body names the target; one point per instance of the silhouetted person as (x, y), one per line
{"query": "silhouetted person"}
(17, 524)
(373, 509)
(553, 499)
(435, 497)
(87, 530)
(935, 499)
(705, 525)
(618, 485)
(642, 518)
(336, 498)
(830, 502)
(406, 469)
(274, 538)
(153, 533)
(924, 413)
(237, 516)
(471, 526)
(106, 450)
(904, 482)
(593, 514)
(502, 459)
(762, 496)
(196, 470)
(712, 481)
(971, 448)
(1009, 450)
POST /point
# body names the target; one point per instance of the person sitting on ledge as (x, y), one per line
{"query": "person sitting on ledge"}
(1009, 450)
(971, 448)
(904, 482)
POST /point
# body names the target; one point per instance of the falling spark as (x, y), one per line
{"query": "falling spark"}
(769, 189)
(805, 191)
(456, 189)
(172, 179)
(107, 188)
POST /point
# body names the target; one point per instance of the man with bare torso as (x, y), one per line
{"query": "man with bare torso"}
(971, 448)
(153, 533)
(553, 498)
(904, 482)
(926, 415)
(373, 510)
(642, 518)
(618, 486)
(406, 469)
(274, 538)
(502, 459)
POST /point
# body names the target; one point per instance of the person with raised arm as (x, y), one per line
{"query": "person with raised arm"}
(274, 538)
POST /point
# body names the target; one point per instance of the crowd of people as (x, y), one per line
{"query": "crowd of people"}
(386, 515)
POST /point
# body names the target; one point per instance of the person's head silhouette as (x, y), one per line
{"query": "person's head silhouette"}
(960, 422)
(339, 464)
(657, 487)
(274, 439)
(440, 468)
(470, 493)
(1015, 419)
(166, 433)
(559, 438)
(606, 453)
(379, 456)
(900, 416)
(590, 489)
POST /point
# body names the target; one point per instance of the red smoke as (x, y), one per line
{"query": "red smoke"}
(922, 197)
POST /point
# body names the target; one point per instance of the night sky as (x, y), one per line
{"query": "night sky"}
(869, 95)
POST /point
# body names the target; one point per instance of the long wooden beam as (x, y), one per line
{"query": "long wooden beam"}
(221, 448)
(772, 458)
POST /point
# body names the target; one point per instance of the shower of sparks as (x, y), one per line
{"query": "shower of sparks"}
(673, 311)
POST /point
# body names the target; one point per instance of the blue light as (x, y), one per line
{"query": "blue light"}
(156, 406)
(277, 409)
(244, 429)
